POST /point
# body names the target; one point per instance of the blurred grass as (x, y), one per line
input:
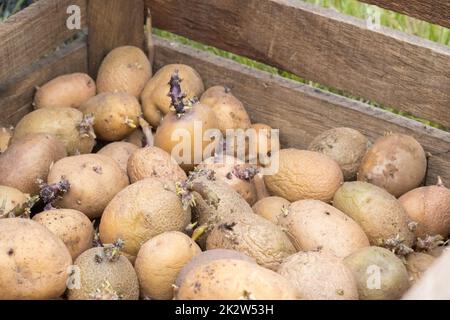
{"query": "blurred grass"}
(10, 7)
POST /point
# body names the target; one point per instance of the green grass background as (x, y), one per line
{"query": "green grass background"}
(351, 7)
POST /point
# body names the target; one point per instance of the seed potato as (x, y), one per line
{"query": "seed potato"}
(120, 152)
(271, 208)
(417, 263)
(5, 137)
(11, 199)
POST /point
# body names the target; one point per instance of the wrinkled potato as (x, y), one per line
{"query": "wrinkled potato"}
(380, 214)
(208, 256)
(227, 108)
(230, 279)
(304, 175)
(5, 137)
(379, 274)
(103, 275)
(71, 226)
(156, 103)
(34, 263)
(319, 276)
(255, 236)
(140, 212)
(66, 124)
(125, 69)
(315, 225)
(417, 264)
(66, 91)
(344, 145)
(153, 162)
(28, 160)
(160, 260)
(271, 208)
(115, 114)
(120, 152)
(94, 180)
(429, 207)
(396, 162)
(11, 199)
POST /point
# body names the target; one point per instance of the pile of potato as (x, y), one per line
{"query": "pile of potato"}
(93, 206)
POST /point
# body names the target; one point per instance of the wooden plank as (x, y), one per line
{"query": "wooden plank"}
(113, 23)
(16, 94)
(302, 112)
(322, 45)
(37, 30)
(434, 11)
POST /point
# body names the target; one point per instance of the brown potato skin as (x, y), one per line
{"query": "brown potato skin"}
(66, 91)
(315, 225)
(396, 163)
(160, 260)
(430, 208)
(305, 175)
(153, 162)
(125, 69)
(393, 275)
(137, 138)
(379, 214)
(33, 261)
(230, 279)
(417, 263)
(10, 198)
(198, 115)
(227, 107)
(71, 226)
(94, 180)
(5, 136)
(255, 236)
(208, 256)
(140, 212)
(271, 208)
(28, 159)
(120, 152)
(344, 145)
(156, 103)
(93, 274)
(63, 123)
(319, 276)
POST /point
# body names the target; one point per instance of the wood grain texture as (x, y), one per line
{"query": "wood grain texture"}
(16, 94)
(434, 11)
(299, 111)
(33, 32)
(113, 23)
(322, 45)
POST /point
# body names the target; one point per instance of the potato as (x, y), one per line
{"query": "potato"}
(417, 264)
(160, 259)
(396, 162)
(263, 144)
(208, 256)
(254, 236)
(235, 173)
(66, 91)
(344, 145)
(304, 175)
(28, 160)
(227, 108)
(271, 208)
(429, 207)
(156, 103)
(119, 152)
(94, 180)
(380, 215)
(125, 69)
(137, 138)
(319, 276)
(5, 137)
(379, 274)
(230, 279)
(315, 225)
(33, 261)
(103, 275)
(115, 114)
(71, 226)
(153, 162)
(140, 212)
(11, 199)
(66, 124)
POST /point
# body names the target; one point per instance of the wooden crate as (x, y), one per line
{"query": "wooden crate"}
(342, 52)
